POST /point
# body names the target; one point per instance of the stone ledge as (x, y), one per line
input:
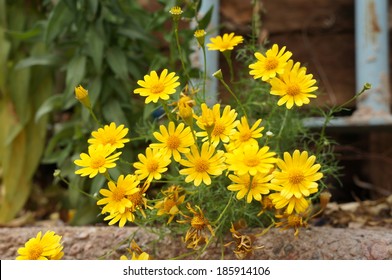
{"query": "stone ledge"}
(320, 243)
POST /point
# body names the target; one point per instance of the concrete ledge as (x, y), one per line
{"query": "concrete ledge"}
(111, 242)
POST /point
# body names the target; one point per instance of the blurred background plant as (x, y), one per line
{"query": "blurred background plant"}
(48, 48)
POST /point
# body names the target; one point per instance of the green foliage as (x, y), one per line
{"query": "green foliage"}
(23, 88)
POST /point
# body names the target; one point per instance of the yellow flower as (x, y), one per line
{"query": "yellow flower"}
(97, 160)
(199, 224)
(293, 203)
(273, 63)
(244, 244)
(288, 221)
(157, 87)
(216, 127)
(151, 165)
(46, 248)
(174, 140)
(121, 218)
(225, 43)
(109, 134)
(294, 86)
(169, 204)
(200, 35)
(245, 135)
(201, 165)
(136, 252)
(176, 12)
(249, 158)
(116, 197)
(81, 94)
(250, 186)
(298, 175)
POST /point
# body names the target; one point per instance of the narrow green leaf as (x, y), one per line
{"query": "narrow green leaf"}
(96, 46)
(118, 62)
(52, 103)
(60, 18)
(205, 21)
(48, 59)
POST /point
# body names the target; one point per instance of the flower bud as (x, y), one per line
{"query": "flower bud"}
(81, 94)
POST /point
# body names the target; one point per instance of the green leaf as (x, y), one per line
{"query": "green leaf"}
(76, 70)
(96, 46)
(205, 21)
(112, 111)
(60, 19)
(134, 34)
(48, 59)
(118, 62)
(52, 103)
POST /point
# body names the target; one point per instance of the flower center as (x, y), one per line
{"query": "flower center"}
(245, 136)
(218, 129)
(173, 142)
(109, 139)
(296, 177)
(198, 222)
(97, 161)
(136, 199)
(251, 161)
(271, 63)
(118, 194)
(152, 166)
(201, 165)
(157, 88)
(35, 251)
(293, 90)
(294, 220)
(168, 205)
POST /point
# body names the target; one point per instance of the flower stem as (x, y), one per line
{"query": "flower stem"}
(180, 52)
(204, 73)
(233, 94)
(227, 55)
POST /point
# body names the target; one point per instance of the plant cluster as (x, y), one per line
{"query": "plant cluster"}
(208, 170)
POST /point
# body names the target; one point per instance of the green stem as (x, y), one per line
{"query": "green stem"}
(227, 55)
(94, 116)
(205, 73)
(180, 52)
(235, 97)
(167, 111)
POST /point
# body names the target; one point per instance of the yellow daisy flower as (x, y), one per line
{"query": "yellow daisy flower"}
(97, 160)
(169, 204)
(253, 187)
(136, 252)
(157, 87)
(47, 247)
(151, 165)
(294, 86)
(225, 43)
(174, 140)
(293, 203)
(298, 174)
(294, 221)
(245, 135)
(271, 64)
(109, 134)
(116, 197)
(216, 127)
(199, 166)
(121, 218)
(250, 159)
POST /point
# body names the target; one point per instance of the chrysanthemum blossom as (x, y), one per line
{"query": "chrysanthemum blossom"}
(116, 197)
(46, 247)
(298, 175)
(109, 134)
(98, 160)
(225, 43)
(294, 86)
(120, 218)
(200, 165)
(174, 140)
(250, 159)
(253, 187)
(152, 164)
(269, 65)
(169, 204)
(245, 134)
(156, 87)
(217, 128)
(299, 205)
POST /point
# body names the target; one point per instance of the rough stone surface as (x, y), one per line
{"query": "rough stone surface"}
(105, 242)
